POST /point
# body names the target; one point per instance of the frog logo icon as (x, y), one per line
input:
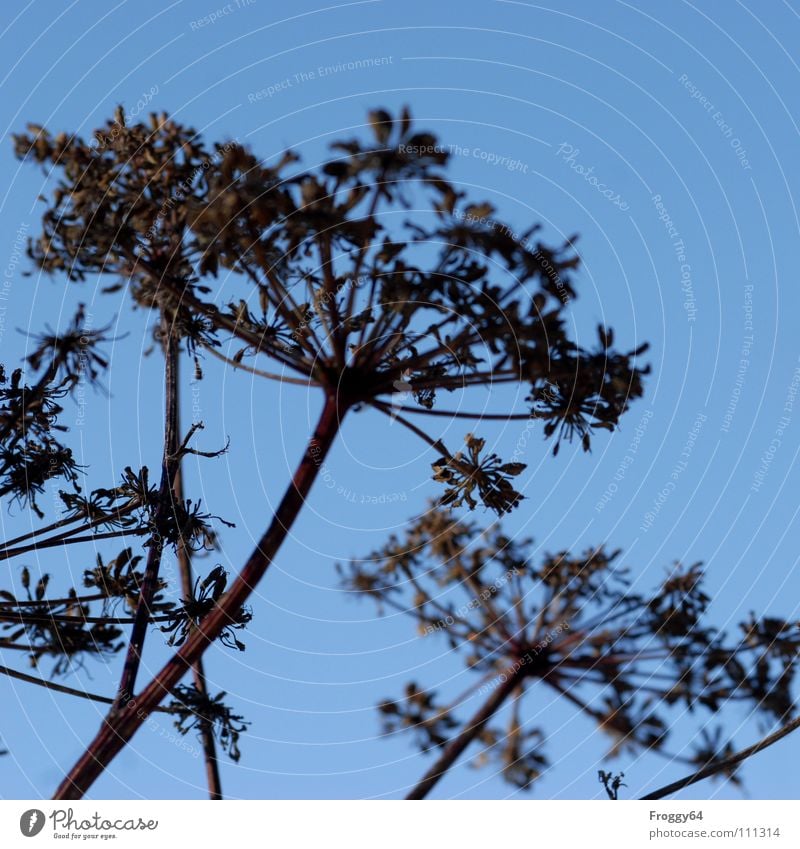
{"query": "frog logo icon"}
(31, 822)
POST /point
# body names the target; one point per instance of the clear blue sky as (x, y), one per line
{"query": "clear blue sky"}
(693, 106)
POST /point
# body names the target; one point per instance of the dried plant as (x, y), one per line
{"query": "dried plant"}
(611, 783)
(195, 608)
(340, 302)
(574, 625)
(193, 707)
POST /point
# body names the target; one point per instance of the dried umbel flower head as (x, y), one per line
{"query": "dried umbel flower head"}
(571, 624)
(193, 709)
(336, 289)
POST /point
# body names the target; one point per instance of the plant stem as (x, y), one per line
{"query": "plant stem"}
(23, 616)
(166, 506)
(120, 725)
(198, 673)
(32, 604)
(725, 763)
(220, 320)
(110, 517)
(459, 414)
(68, 538)
(299, 381)
(387, 410)
(456, 746)
(61, 688)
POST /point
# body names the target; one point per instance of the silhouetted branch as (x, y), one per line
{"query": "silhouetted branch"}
(469, 732)
(165, 508)
(62, 688)
(725, 763)
(187, 581)
(121, 725)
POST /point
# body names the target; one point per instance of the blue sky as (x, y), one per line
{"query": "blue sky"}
(685, 113)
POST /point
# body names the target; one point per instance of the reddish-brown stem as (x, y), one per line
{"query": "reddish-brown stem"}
(120, 725)
(453, 750)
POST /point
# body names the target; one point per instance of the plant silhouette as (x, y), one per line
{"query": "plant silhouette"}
(377, 284)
